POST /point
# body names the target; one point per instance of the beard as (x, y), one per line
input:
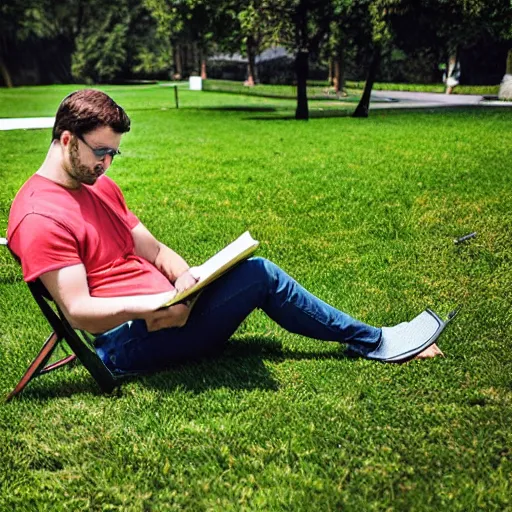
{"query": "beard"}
(79, 172)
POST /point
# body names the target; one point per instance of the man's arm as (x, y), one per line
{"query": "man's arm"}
(68, 286)
(170, 263)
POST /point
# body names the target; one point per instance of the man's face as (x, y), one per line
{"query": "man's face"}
(83, 165)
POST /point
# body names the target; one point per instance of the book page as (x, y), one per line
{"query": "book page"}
(237, 251)
(223, 257)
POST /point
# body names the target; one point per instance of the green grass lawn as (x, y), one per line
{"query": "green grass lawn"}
(364, 214)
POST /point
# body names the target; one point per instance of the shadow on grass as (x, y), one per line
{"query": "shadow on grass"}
(70, 385)
(240, 367)
(10, 274)
(285, 114)
(235, 108)
(153, 109)
(313, 114)
(227, 108)
(379, 112)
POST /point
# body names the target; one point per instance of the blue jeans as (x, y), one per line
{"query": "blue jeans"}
(221, 308)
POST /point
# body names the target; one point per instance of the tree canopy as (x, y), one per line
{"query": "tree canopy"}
(152, 38)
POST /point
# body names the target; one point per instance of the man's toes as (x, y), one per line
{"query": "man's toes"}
(429, 352)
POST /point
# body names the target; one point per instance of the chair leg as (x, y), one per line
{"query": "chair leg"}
(84, 353)
(35, 368)
(58, 364)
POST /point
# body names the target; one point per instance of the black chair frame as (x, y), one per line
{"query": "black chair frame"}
(82, 346)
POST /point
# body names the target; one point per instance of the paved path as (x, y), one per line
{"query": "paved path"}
(429, 97)
(396, 99)
(26, 123)
(405, 99)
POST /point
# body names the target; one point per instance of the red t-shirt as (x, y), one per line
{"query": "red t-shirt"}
(52, 227)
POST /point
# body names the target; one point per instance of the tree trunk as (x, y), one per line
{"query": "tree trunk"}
(186, 59)
(364, 104)
(339, 69)
(5, 73)
(204, 75)
(302, 59)
(196, 60)
(302, 70)
(339, 74)
(335, 76)
(330, 78)
(251, 62)
(509, 63)
(341, 78)
(178, 64)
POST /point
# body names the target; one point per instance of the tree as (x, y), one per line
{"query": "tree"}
(101, 47)
(350, 30)
(443, 26)
(252, 34)
(194, 24)
(336, 56)
(301, 26)
(378, 11)
(124, 41)
(446, 27)
(18, 22)
(149, 52)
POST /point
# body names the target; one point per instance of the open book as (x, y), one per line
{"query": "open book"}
(237, 251)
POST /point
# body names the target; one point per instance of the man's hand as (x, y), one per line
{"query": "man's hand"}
(173, 316)
(184, 282)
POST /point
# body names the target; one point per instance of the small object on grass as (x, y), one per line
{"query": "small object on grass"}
(464, 238)
(453, 314)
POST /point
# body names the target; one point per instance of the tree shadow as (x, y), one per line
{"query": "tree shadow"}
(235, 108)
(313, 114)
(227, 108)
(241, 366)
(153, 109)
(379, 112)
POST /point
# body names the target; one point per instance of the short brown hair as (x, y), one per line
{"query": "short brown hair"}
(85, 110)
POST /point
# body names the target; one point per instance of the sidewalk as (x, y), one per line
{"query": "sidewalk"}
(405, 99)
(26, 123)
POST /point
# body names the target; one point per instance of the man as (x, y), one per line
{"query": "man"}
(70, 227)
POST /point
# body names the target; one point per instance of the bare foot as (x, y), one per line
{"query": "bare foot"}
(429, 352)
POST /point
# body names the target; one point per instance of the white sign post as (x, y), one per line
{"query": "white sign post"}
(195, 83)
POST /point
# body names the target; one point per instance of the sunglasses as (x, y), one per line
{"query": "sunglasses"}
(101, 153)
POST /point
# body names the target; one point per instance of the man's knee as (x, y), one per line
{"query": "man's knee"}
(261, 267)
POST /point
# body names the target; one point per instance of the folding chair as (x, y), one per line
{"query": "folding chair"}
(81, 344)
